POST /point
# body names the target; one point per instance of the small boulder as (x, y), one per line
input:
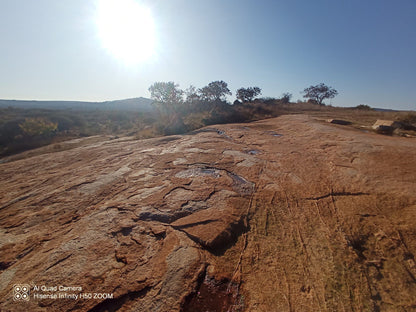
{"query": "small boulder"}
(386, 126)
(384, 129)
(339, 122)
(388, 123)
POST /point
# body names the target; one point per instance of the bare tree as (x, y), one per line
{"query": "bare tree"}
(286, 97)
(192, 94)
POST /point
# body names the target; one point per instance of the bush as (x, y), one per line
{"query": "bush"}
(267, 100)
(408, 120)
(363, 107)
(38, 127)
(286, 97)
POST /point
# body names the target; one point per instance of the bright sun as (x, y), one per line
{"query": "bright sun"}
(126, 30)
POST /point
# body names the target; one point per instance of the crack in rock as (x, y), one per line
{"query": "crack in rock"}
(337, 194)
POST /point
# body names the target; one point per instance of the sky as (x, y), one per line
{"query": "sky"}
(365, 49)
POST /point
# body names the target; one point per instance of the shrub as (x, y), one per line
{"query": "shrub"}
(38, 126)
(363, 107)
(409, 119)
(286, 97)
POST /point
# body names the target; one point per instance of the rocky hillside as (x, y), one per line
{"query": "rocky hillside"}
(287, 214)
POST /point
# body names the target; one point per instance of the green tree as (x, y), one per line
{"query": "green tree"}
(214, 91)
(166, 96)
(319, 93)
(247, 94)
(168, 100)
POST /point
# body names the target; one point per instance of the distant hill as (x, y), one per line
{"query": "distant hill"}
(385, 110)
(134, 104)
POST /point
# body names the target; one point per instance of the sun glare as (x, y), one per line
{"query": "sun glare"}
(126, 30)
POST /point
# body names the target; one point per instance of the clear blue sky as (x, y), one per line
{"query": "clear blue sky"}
(366, 49)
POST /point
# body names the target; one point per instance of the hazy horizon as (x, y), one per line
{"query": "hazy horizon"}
(59, 100)
(73, 51)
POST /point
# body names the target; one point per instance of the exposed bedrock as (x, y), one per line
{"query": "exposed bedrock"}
(291, 214)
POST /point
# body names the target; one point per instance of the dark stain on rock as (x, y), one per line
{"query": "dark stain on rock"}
(213, 296)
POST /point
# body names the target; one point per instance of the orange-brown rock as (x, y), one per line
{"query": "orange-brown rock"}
(328, 215)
